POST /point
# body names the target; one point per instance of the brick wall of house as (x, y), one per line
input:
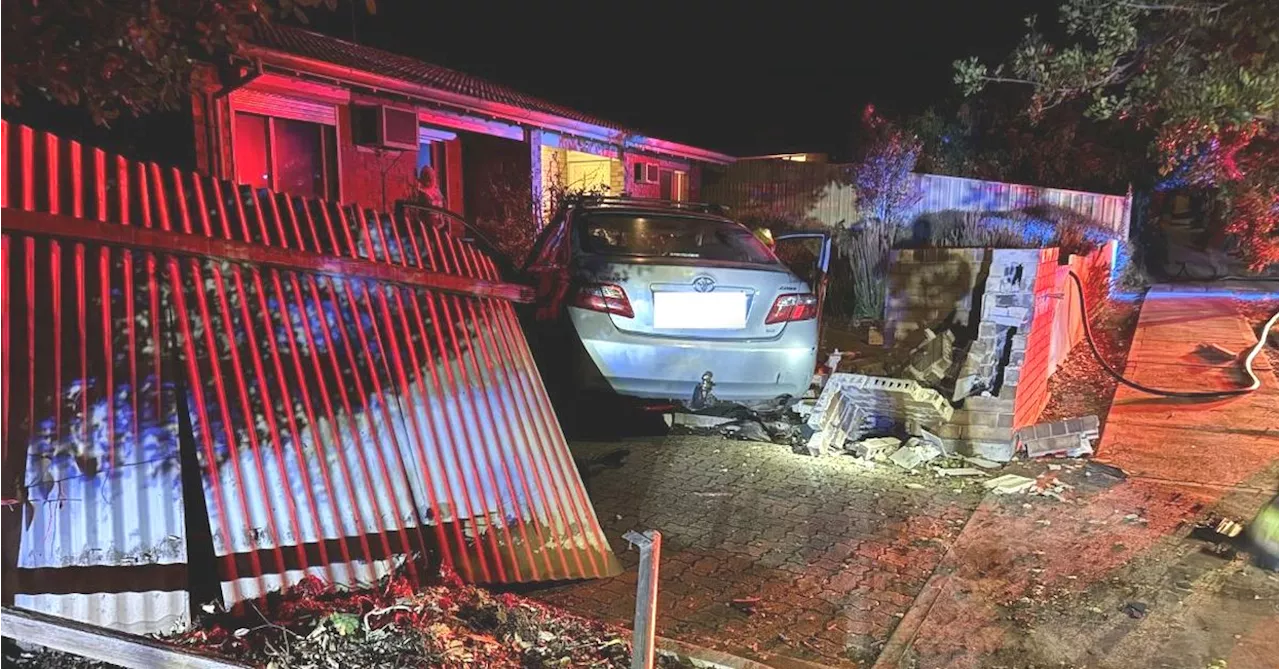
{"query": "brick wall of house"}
(653, 190)
(372, 177)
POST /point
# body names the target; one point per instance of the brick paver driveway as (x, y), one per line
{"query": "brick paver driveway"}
(835, 553)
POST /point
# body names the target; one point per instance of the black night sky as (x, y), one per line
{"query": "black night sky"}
(724, 76)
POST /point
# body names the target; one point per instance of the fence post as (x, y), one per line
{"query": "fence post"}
(650, 545)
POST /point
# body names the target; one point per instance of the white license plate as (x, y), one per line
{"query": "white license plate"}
(721, 310)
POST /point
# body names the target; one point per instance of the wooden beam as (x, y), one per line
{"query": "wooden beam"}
(101, 644)
(162, 241)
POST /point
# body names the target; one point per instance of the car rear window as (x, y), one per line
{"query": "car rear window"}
(648, 236)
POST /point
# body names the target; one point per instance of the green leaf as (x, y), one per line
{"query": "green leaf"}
(345, 624)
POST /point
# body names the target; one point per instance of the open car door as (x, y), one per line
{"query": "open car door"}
(808, 254)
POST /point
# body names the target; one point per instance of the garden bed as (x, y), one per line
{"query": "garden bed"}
(393, 625)
(1081, 386)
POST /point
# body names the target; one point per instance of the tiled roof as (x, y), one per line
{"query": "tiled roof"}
(384, 63)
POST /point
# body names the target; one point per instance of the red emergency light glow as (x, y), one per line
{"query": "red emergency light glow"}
(357, 388)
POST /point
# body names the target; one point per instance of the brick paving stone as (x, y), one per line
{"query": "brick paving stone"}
(835, 552)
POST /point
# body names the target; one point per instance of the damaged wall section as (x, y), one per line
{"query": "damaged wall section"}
(983, 330)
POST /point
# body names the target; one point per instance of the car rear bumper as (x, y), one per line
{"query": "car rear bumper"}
(668, 369)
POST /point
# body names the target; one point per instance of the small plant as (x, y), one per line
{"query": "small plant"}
(886, 192)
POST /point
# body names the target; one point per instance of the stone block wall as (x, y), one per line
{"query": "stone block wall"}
(1014, 316)
(1034, 370)
(927, 287)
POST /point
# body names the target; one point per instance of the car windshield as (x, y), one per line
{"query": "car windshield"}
(658, 236)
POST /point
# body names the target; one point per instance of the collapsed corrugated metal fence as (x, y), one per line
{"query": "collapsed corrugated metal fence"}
(351, 387)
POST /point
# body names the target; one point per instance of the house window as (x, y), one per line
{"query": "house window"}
(286, 155)
(673, 185)
(431, 153)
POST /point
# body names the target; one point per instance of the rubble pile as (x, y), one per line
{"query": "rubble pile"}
(945, 390)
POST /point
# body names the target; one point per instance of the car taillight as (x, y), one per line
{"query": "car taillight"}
(604, 297)
(795, 307)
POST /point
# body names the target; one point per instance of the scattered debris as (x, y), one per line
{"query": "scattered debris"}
(696, 420)
(959, 471)
(875, 337)
(750, 430)
(913, 454)
(746, 605)
(1228, 528)
(1214, 353)
(933, 440)
(1009, 484)
(1222, 550)
(393, 624)
(877, 449)
(1135, 610)
(981, 462)
(1093, 467)
(915, 486)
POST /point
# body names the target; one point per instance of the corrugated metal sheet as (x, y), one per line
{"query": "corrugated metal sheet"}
(343, 421)
(817, 193)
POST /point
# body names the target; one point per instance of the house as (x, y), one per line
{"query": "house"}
(313, 115)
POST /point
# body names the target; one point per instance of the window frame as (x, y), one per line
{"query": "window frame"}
(274, 106)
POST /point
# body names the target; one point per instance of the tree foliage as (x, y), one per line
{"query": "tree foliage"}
(116, 56)
(988, 137)
(886, 189)
(1198, 76)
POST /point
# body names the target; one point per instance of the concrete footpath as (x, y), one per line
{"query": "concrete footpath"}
(1113, 576)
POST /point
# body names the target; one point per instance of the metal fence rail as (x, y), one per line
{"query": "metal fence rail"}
(352, 387)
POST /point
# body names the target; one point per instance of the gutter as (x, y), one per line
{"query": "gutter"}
(303, 66)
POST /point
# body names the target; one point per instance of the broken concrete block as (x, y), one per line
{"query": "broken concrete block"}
(913, 454)
(934, 441)
(1062, 437)
(1009, 484)
(930, 362)
(981, 462)
(959, 471)
(834, 420)
(906, 457)
(878, 448)
(881, 397)
(1000, 451)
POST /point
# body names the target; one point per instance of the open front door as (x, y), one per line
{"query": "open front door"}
(808, 254)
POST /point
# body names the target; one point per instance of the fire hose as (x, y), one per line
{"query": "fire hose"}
(1264, 531)
(1210, 394)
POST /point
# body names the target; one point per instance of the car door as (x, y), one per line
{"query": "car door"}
(547, 271)
(808, 254)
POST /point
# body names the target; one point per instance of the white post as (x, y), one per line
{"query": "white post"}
(650, 545)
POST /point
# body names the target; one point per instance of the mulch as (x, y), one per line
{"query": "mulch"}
(393, 625)
(1081, 386)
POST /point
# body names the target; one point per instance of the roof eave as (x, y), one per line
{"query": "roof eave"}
(524, 116)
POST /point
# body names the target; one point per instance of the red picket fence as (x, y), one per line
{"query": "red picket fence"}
(202, 378)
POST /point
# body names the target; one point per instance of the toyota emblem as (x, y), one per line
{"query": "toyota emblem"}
(704, 284)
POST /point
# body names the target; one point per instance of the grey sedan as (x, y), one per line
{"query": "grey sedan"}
(648, 299)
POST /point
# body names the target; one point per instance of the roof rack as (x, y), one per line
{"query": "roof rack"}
(625, 201)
